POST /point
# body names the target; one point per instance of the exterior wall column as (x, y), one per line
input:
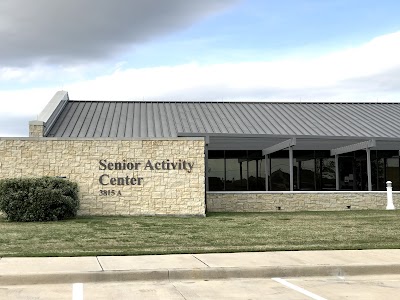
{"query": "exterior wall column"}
(369, 173)
(291, 167)
(36, 129)
(298, 174)
(337, 172)
(267, 172)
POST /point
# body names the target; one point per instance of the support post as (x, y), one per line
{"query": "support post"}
(298, 174)
(337, 171)
(291, 167)
(267, 172)
(369, 173)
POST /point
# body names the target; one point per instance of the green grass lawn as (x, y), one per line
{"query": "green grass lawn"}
(222, 232)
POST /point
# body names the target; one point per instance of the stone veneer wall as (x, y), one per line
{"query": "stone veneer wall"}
(162, 192)
(36, 129)
(296, 201)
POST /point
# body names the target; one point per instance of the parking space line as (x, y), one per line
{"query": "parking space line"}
(77, 291)
(298, 289)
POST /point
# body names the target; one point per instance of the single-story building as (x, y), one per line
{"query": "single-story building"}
(183, 158)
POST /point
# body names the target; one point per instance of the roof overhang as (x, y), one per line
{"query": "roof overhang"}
(260, 142)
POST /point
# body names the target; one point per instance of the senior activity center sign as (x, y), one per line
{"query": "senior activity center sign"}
(107, 179)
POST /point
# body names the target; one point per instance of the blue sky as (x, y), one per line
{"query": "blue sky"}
(304, 50)
(254, 30)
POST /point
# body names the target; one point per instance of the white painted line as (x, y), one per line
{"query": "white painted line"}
(298, 289)
(77, 291)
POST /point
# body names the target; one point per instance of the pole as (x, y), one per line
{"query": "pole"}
(291, 167)
(267, 166)
(337, 171)
(369, 173)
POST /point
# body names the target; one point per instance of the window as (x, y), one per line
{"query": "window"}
(216, 170)
(280, 174)
(312, 170)
(236, 170)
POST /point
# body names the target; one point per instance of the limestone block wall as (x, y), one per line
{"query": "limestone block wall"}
(297, 201)
(117, 177)
(36, 128)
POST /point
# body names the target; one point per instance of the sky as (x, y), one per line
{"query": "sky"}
(197, 50)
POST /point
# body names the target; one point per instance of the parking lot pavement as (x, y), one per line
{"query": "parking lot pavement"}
(353, 287)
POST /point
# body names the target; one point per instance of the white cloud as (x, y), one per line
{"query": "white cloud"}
(369, 72)
(29, 102)
(292, 78)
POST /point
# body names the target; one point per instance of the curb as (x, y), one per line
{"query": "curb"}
(199, 274)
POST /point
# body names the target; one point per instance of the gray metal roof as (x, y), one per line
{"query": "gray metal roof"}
(98, 119)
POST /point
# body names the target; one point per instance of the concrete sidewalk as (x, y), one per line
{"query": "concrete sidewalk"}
(40, 270)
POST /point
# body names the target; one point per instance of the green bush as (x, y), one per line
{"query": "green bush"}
(38, 199)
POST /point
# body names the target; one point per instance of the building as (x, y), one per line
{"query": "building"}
(182, 158)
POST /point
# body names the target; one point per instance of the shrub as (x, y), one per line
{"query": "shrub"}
(38, 199)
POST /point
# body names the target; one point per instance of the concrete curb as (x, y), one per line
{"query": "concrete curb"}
(199, 274)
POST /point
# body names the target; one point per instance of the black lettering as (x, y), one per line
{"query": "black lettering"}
(133, 181)
(130, 166)
(149, 165)
(110, 166)
(139, 180)
(101, 179)
(103, 165)
(113, 181)
(120, 181)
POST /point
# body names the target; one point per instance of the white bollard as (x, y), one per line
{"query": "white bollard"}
(390, 205)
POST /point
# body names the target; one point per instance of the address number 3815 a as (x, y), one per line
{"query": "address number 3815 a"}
(110, 193)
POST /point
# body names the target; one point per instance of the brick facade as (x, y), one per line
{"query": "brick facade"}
(36, 129)
(155, 177)
(138, 175)
(296, 201)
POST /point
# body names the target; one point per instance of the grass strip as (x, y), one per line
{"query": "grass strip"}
(219, 232)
